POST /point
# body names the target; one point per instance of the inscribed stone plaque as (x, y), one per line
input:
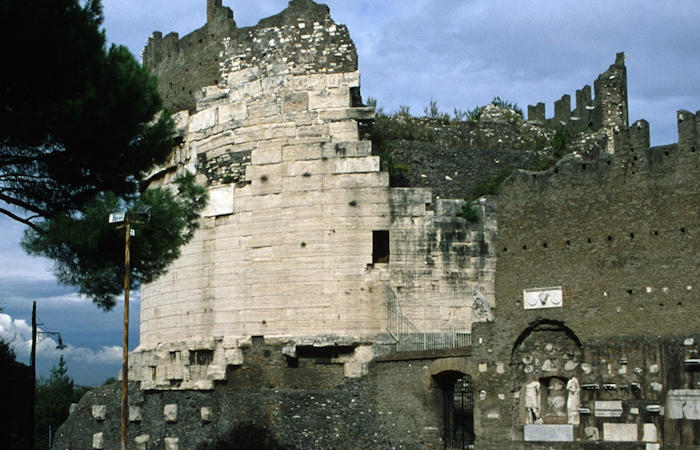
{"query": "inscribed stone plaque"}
(683, 404)
(549, 433)
(539, 298)
(220, 201)
(608, 408)
(621, 432)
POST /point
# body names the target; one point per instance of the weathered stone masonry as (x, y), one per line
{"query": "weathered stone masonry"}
(345, 313)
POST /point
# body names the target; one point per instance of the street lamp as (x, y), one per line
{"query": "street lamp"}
(125, 217)
(32, 357)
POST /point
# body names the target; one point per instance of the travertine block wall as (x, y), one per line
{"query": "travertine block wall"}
(288, 254)
(285, 249)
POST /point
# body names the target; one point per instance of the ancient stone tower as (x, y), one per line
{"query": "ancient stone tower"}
(303, 243)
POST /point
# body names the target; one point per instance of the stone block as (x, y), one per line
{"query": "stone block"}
(650, 433)
(591, 434)
(683, 404)
(73, 408)
(608, 408)
(549, 433)
(172, 443)
(98, 440)
(356, 165)
(142, 441)
(170, 412)
(220, 201)
(232, 112)
(99, 412)
(203, 120)
(620, 432)
(295, 101)
(135, 414)
(301, 152)
(345, 131)
(347, 149)
(206, 414)
(234, 356)
(216, 372)
(329, 98)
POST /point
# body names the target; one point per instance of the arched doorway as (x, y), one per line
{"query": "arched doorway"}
(458, 409)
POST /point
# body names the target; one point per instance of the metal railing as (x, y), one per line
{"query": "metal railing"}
(409, 338)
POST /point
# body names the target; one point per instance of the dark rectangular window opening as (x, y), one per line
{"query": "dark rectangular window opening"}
(380, 246)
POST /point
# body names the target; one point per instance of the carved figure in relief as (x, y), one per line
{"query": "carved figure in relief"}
(555, 398)
(481, 307)
(573, 401)
(532, 403)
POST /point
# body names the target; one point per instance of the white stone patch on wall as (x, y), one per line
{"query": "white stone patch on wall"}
(206, 414)
(608, 408)
(620, 432)
(683, 404)
(220, 201)
(142, 441)
(172, 443)
(538, 298)
(650, 433)
(135, 414)
(99, 412)
(549, 433)
(98, 440)
(170, 412)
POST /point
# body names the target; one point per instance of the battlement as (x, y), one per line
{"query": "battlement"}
(301, 39)
(606, 109)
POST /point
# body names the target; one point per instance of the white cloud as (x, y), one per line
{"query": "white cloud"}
(19, 333)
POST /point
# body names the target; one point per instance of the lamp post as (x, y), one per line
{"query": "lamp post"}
(32, 362)
(125, 217)
(117, 218)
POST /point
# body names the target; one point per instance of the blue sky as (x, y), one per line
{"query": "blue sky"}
(461, 53)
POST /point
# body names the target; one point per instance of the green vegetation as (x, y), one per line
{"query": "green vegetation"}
(491, 184)
(79, 125)
(560, 142)
(53, 398)
(468, 211)
(88, 252)
(498, 101)
(7, 353)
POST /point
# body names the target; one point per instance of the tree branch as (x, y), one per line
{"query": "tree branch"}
(22, 204)
(20, 219)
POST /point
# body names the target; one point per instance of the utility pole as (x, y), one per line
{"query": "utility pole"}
(125, 346)
(33, 364)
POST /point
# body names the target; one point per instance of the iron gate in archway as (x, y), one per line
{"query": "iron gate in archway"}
(459, 416)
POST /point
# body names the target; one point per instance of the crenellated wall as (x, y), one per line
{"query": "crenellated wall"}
(594, 120)
(618, 238)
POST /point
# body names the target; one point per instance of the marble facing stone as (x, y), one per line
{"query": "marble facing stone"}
(549, 433)
(170, 412)
(683, 404)
(172, 443)
(620, 432)
(608, 408)
(135, 414)
(98, 440)
(99, 412)
(142, 441)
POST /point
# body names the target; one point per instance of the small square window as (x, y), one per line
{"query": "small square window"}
(380, 246)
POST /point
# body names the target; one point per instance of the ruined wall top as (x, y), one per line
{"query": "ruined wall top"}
(607, 108)
(302, 39)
